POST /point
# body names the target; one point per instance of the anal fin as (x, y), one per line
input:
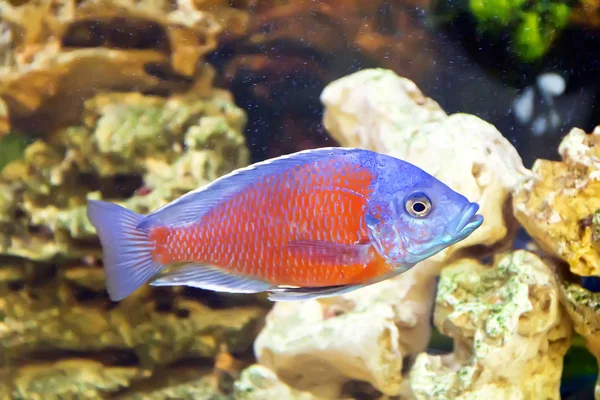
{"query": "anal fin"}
(211, 278)
(309, 293)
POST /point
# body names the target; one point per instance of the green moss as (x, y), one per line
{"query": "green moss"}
(535, 33)
(533, 26)
(12, 147)
(468, 293)
(496, 14)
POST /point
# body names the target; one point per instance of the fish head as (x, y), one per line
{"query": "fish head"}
(415, 222)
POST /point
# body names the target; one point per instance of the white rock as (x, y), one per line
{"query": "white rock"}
(308, 346)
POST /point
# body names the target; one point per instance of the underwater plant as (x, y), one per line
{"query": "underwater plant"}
(529, 28)
(532, 25)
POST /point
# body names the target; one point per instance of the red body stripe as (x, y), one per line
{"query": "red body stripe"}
(248, 234)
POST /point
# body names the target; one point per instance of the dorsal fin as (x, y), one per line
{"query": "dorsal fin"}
(193, 205)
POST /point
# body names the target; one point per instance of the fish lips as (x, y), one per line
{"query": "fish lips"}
(467, 222)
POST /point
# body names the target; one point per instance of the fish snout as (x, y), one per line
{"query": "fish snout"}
(467, 221)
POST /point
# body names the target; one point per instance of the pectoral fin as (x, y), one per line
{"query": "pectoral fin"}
(296, 294)
(331, 253)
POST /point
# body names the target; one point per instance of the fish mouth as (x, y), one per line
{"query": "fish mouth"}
(468, 221)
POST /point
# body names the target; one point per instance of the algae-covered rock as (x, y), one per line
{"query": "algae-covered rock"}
(259, 383)
(158, 330)
(584, 308)
(140, 151)
(510, 332)
(121, 103)
(182, 382)
(77, 378)
(12, 146)
(161, 147)
(60, 53)
(556, 204)
(69, 379)
(381, 111)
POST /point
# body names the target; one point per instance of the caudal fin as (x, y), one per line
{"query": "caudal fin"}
(127, 250)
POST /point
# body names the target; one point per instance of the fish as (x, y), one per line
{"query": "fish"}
(311, 224)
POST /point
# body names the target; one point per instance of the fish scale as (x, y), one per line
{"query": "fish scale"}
(316, 201)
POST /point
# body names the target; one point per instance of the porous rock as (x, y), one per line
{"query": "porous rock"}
(137, 150)
(70, 378)
(366, 335)
(509, 328)
(258, 383)
(61, 316)
(57, 54)
(556, 204)
(78, 378)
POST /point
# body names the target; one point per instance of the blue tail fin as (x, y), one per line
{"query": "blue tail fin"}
(128, 260)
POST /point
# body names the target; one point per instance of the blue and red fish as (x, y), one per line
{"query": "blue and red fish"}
(311, 224)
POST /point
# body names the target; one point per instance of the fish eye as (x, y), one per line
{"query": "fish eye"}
(418, 206)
